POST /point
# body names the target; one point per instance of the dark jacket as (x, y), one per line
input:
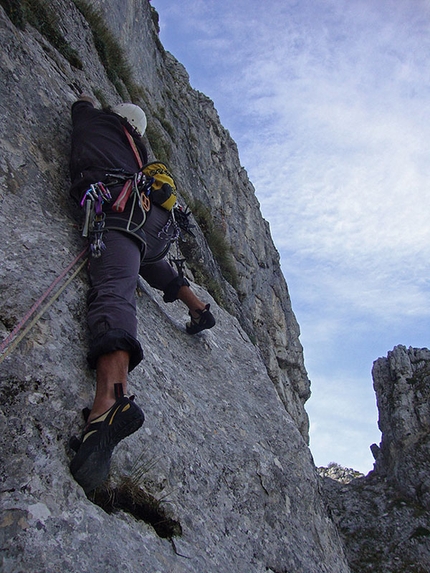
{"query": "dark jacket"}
(99, 147)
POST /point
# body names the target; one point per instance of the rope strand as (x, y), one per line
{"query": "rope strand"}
(10, 342)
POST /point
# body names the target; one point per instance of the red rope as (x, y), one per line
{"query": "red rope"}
(5, 343)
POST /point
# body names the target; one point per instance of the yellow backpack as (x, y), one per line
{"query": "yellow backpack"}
(163, 189)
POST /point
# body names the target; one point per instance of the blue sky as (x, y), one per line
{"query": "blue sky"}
(329, 104)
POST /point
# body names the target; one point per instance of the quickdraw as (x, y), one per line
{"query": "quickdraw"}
(177, 224)
(181, 221)
(94, 222)
(169, 234)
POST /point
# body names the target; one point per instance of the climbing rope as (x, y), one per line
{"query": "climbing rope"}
(9, 344)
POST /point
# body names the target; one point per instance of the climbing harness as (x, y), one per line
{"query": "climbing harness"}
(136, 186)
(152, 183)
(14, 338)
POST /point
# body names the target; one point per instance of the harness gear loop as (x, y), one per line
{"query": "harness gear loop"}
(94, 222)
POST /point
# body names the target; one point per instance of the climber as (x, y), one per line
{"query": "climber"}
(129, 234)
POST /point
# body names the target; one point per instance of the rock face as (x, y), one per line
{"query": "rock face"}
(338, 473)
(384, 518)
(220, 478)
(402, 386)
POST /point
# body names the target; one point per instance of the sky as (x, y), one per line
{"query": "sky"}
(329, 104)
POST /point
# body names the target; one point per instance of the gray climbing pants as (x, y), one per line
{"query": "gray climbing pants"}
(113, 277)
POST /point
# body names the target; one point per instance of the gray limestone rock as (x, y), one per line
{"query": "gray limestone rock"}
(402, 386)
(338, 473)
(384, 518)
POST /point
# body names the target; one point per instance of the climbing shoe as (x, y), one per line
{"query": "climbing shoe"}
(205, 320)
(90, 467)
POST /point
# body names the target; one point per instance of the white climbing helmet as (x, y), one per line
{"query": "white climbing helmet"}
(133, 114)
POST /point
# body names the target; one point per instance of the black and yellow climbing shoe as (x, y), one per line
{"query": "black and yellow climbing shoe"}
(205, 320)
(91, 464)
